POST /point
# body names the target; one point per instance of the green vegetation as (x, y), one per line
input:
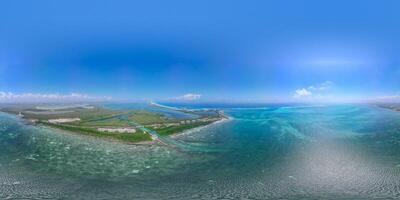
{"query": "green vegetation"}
(177, 129)
(82, 113)
(87, 120)
(139, 136)
(145, 118)
(116, 120)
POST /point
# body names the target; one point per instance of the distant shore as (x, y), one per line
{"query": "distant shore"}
(394, 107)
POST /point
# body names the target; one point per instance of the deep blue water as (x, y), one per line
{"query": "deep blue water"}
(268, 152)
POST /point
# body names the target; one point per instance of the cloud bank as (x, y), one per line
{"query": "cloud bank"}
(9, 97)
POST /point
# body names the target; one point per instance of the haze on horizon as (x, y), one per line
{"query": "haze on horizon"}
(259, 51)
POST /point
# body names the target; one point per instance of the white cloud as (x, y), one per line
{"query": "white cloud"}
(300, 93)
(9, 97)
(321, 87)
(188, 97)
(316, 91)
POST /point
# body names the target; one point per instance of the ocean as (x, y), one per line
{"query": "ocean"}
(262, 152)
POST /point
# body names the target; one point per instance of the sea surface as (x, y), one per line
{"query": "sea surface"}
(263, 152)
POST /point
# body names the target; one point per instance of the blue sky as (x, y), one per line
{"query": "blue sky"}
(262, 51)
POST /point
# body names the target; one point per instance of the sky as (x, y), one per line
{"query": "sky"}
(241, 51)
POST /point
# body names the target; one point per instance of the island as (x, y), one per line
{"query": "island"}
(126, 125)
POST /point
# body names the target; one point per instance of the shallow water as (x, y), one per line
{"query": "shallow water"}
(323, 152)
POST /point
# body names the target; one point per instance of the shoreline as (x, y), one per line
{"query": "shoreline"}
(224, 119)
(395, 108)
(166, 107)
(220, 118)
(67, 132)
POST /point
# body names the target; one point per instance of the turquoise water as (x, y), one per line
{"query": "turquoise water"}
(273, 152)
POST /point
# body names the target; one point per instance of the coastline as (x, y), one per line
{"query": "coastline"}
(67, 132)
(220, 118)
(391, 107)
(163, 106)
(224, 119)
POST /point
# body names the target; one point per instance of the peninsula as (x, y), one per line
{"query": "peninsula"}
(127, 125)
